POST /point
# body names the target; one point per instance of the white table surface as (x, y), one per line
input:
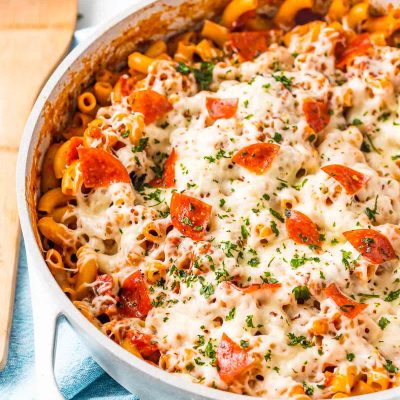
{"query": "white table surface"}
(93, 12)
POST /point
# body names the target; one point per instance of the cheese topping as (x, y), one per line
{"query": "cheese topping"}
(261, 224)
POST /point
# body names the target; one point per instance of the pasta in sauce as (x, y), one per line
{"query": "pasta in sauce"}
(226, 207)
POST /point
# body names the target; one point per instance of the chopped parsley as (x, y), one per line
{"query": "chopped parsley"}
(209, 351)
(368, 295)
(141, 146)
(254, 262)
(249, 321)
(277, 137)
(371, 213)
(210, 159)
(221, 154)
(138, 161)
(268, 277)
(392, 296)
(301, 294)
(244, 232)
(200, 341)
(183, 68)
(155, 195)
(126, 134)
(189, 367)
(383, 323)
(164, 214)
(274, 228)
(346, 258)
(282, 78)
(266, 86)
(347, 307)
(300, 185)
(350, 356)
(198, 361)
(308, 389)
(298, 261)
(276, 66)
(384, 116)
(206, 290)
(157, 170)
(204, 75)
(228, 247)
(231, 314)
(277, 215)
(390, 367)
(370, 145)
(187, 221)
(298, 341)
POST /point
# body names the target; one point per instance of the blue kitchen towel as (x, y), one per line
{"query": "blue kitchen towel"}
(77, 374)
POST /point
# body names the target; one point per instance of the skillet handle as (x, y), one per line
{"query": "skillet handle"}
(45, 320)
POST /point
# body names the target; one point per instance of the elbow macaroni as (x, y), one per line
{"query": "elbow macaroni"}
(235, 9)
(87, 103)
(288, 10)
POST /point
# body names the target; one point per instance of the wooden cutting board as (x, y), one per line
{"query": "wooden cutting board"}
(34, 36)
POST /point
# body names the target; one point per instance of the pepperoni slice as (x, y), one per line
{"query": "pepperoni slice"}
(257, 157)
(221, 108)
(168, 178)
(151, 104)
(301, 229)
(359, 46)
(374, 246)
(156, 183)
(72, 153)
(144, 343)
(232, 360)
(190, 216)
(249, 44)
(105, 286)
(134, 298)
(169, 170)
(317, 114)
(351, 180)
(263, 286)
(347, 306)
(100, 168)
